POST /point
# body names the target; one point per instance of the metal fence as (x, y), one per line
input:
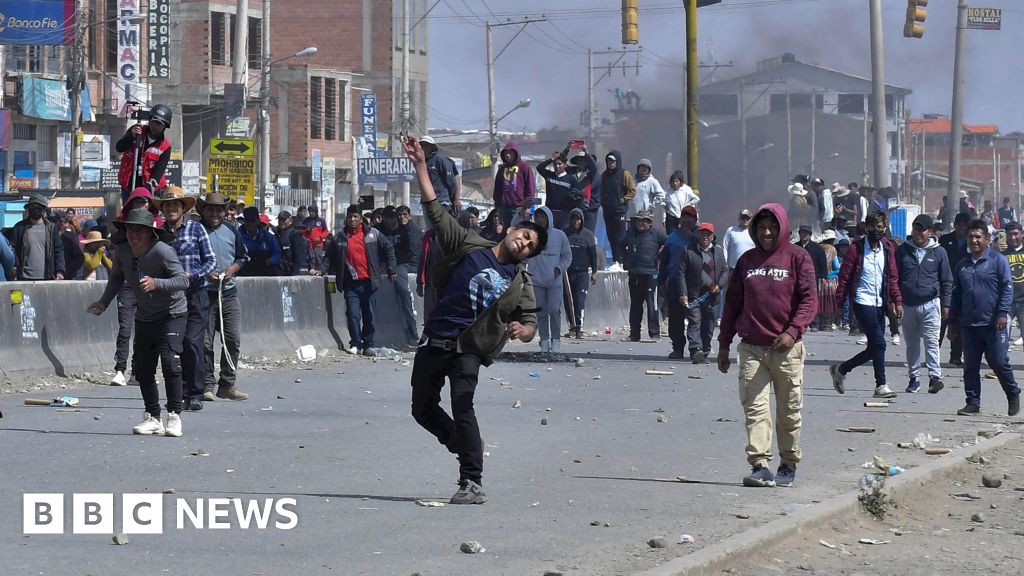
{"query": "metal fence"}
(292, 197)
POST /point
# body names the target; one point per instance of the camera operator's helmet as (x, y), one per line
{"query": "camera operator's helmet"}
(161, 114)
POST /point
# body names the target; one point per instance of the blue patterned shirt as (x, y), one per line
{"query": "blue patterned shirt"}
(194, 251)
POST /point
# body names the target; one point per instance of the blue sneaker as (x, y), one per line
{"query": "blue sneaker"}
(760, 477)
(914, 386)
(785, 476)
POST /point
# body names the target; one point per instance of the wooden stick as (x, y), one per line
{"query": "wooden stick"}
(659, 372)
(37, 402)
(876, 404)
(936, 451)
(860, 429)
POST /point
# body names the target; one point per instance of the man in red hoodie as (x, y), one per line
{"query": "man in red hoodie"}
(771, 300)
(514, 187)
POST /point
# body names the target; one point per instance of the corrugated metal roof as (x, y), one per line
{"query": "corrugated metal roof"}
(796, 77)
(943, 125)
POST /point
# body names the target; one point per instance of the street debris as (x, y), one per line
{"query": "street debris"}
(657, 543)
(876, 404)
(517, 404)
(578, 362)
(543, 421)
(662, 418)
(599, 523)
(121, 539)
(267, 409)
(692, 376)
(724, 420)
(873, 541)
(63, 401)
(430, 503)
(859, 429)
(965, 496)
(169, 491)
(534, 374)
(658, 372)
(991, 481)
(298, 380)
(472, 547)
(936, 451)
(686, 539)
(977, 517)
(827, 545)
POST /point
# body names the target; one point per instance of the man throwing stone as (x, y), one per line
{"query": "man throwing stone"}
(484, 298)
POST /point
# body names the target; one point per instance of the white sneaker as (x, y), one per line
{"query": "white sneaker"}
(173, 427)
(895, 339)
(353, 351)
(1018, 342)
(119, 379)
(863, 340)
(149, 426)
(556, 344)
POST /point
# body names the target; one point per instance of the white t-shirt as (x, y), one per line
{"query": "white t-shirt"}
(676, 200)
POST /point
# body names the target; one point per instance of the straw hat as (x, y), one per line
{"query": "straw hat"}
(175, 193)
(95, 237)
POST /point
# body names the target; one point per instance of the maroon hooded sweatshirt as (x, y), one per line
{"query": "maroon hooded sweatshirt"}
(771, 292)
(514, 184)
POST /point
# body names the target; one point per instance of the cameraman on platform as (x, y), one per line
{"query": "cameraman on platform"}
(145, 149)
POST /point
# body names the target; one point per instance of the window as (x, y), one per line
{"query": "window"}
(777, 103)
(342, 110)
(26, 58)
(54, 64)
(229, 50)
(23, 131)
(47, 149)
(851, 104)
(255, 42)
(890, 104)
(316, 110)
(800, 100)
(110, 37)
(93, 35)
(719, 104)
(396, 23)
(217, 38)
(330, 109)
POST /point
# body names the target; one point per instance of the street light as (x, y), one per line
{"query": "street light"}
(264, 116)
(522, 104)
(77, 80)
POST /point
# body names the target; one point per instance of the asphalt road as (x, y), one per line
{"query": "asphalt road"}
(342, 443)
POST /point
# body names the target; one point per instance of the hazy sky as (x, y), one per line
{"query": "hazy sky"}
(547, 62)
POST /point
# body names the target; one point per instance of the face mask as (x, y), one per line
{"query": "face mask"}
(876, 235)
(35, 213)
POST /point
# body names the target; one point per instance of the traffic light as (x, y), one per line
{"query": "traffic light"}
(630, 22)
(916, 15)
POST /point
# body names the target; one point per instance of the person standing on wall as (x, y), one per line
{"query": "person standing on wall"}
(145, 151)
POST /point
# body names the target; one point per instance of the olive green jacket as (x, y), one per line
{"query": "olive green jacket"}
(485, 337)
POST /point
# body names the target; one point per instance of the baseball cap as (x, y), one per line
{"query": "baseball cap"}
(706, 226)
(251, 213)
(390, 211)
(425, 139)
(924, 221)
(805, 228)
(264, 219)
(691, 210)
(645, 215)
(745, 213)
(282, 215)
(817, 182)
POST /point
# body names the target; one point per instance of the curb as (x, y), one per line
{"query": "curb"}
(712, 560)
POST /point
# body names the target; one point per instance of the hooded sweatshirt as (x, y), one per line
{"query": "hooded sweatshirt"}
(924, 273)
(513, 184)
(771, 292)
(583, 245)
(557, 253)
(562, 191)
(617, 186)
(649, 192)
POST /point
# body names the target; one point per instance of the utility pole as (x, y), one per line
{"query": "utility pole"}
(590, 97)
(881, 158)
(239, 63)
(956, 124)
(492, 115)
(77, 78)
(264, 120)
(789, 136)
(814, 132)
(743, 147)
(692, 82)
(405, 88)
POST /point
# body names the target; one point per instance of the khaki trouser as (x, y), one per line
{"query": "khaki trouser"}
(761, 371)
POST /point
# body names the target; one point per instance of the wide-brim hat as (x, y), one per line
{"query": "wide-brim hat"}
(644, 215)
(213, 199)
(143, 217)
(172, 194)
(797, 189)
(94, 237)
(37, 199)
(828, 236)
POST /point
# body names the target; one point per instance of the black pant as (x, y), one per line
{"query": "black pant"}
(161, 340)
(193, 358)
(126, 304)
(955, 346)
(643, 290)
(590, 219)
(615, 227)
(460, 435)
(579, 286)
(872, 322)
(676, 318)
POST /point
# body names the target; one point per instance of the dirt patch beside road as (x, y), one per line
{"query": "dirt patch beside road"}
(953, 526)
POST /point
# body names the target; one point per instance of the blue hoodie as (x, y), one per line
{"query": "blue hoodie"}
(982, 290)
(924, 273)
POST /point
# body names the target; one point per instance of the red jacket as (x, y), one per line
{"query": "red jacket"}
(150, 156)
(770, 293)
(849, 273)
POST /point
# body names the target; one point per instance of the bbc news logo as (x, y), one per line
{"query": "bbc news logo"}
(144, 513)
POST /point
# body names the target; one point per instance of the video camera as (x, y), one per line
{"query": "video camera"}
(139, 113)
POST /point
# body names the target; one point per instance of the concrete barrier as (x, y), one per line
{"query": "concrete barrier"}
(45, 330)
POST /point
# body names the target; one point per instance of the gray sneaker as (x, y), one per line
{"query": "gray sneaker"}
(884, 391)
(838, 378)
(469, 493)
